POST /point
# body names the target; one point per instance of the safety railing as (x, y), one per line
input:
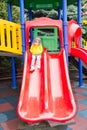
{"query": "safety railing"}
(10, 37)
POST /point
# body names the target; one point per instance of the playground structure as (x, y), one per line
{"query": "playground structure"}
(48, 36)
(10, 38)
(48, 102)
(84, 42)
(51, 82)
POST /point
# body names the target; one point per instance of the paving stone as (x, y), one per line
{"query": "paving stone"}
(3, 117)
(83, 101)
(83, 113)
(11, 114)
(1, 128)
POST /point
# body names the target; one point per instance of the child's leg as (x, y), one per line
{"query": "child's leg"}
(38, 60)
(33, 62)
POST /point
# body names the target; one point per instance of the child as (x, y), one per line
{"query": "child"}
(36, 50)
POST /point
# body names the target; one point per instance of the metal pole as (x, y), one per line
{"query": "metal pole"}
(64, 7)
(31, 31)
(80, 62)
(14, 83)
(22, 21)
(59, 13)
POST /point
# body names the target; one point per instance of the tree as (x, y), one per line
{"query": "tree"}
(3, 10)
(4, 14)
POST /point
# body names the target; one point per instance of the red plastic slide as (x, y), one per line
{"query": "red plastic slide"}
(46, 94)
(80, 53)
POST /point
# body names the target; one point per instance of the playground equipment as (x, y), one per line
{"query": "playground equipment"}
(84, 22)
(48, 102)
(46, 93)
(84, 43)
(75, 34)
(28, 4)
(49, 38)
(10, 38)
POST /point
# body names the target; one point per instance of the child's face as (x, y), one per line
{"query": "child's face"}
(36, 41)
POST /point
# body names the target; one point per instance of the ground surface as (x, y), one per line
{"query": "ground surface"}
(9, 98)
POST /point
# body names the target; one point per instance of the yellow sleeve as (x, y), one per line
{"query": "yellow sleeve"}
(31, 49)
(40, 49)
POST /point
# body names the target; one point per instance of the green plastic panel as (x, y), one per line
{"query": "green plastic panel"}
(41, 4)
(49, 38)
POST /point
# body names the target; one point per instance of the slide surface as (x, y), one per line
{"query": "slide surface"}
(80, 53)
(46, 93)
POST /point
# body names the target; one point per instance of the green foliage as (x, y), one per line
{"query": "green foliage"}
(84, 32)
(72, 12)
(3, 10)
(84, 17)
(5, 65)
(83, 2)
(53, 14)
(40, 13)
(45, 13)
(15, 14)
(4, 14)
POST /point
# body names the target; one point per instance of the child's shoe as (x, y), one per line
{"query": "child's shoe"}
(32, 68)
(38, 66)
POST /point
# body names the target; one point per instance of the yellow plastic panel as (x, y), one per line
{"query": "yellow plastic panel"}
(84, 43)
(10, 37)
(84, 22)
